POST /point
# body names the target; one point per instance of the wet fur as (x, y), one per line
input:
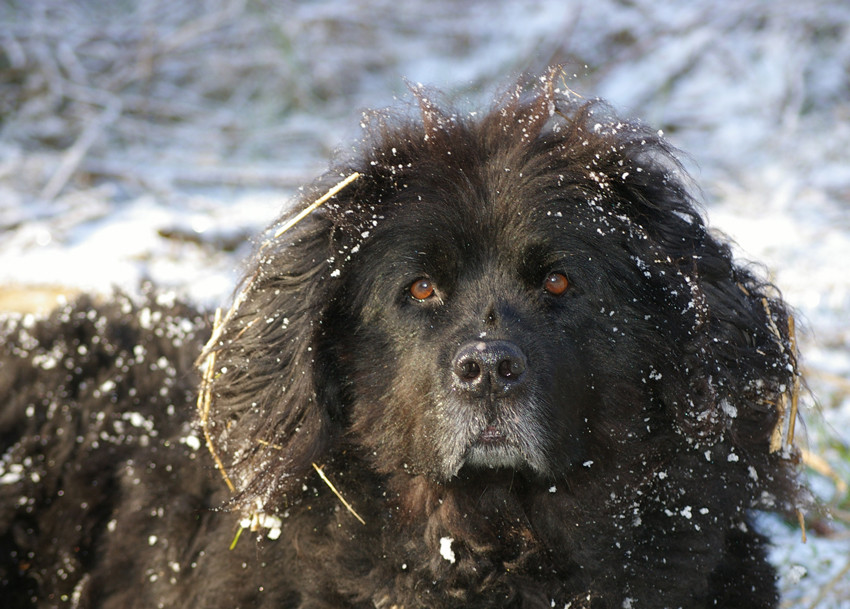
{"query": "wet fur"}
(637, 443)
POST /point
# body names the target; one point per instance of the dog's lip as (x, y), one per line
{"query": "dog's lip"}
(493, 448)
(491, 435)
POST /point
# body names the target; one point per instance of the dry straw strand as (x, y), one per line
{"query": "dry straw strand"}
(318, 202)
(207, 362)
(822, 466)
(776, 435)
(824, 592)
(795, 389)
(218, 328)
(204, 403)
(337, 493)
(786, 421)
(801, 520)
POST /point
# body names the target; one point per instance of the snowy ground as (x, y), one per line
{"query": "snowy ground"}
(152, 141)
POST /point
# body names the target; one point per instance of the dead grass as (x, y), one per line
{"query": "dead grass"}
(34, 299)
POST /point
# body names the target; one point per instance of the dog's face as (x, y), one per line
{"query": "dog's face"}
(529, 292)
(481, 324)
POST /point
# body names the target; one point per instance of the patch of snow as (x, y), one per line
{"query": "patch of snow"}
(446, 549)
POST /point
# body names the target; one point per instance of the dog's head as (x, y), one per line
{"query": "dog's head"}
(531, 290)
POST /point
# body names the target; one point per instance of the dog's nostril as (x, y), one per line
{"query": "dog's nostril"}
(511, 368)
(469, 370)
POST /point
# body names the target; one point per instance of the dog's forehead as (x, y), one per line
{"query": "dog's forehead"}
(471, 198)
(465, 230)
(503, 210)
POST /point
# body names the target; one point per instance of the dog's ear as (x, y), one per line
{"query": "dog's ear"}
(734, 332)
(737, 373)
(263, 417)
(725, 367)
(731, 362)
(748, 347)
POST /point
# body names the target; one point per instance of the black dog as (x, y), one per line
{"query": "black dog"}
(501, 364)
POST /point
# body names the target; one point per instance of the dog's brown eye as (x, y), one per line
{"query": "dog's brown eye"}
(421, 289)
(556, 284)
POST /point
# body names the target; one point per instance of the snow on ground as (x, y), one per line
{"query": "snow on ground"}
(153, 141)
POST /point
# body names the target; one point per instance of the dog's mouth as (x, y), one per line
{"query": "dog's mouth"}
(491, 435)
(506, 435)
(494, 449)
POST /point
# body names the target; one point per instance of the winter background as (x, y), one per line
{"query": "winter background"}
(151, 139)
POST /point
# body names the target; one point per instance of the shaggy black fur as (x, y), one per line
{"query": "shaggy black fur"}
(512, 346)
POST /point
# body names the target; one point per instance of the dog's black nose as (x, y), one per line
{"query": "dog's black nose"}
(482, 367)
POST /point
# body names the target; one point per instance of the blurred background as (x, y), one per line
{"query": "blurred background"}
(153, 139)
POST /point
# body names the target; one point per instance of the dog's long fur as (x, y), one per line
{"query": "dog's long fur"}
(614, 463)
